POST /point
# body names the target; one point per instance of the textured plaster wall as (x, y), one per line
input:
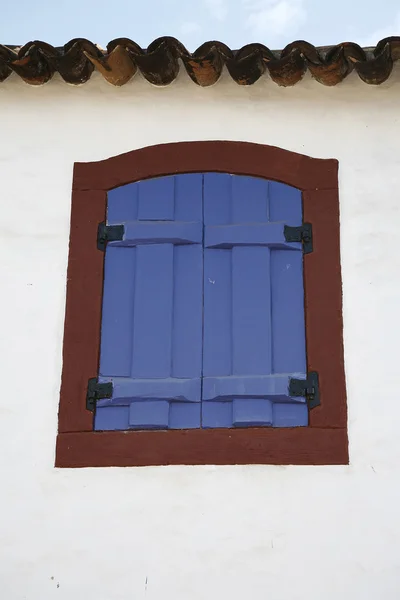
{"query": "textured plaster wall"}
(287, 533)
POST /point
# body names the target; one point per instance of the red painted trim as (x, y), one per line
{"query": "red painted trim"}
(83, 310)
(299, 446)
(323, 304)
(241, 158)
(325, 440)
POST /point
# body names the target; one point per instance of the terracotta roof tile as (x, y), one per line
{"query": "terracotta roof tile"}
(36, 62)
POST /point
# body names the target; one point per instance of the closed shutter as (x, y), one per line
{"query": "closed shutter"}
(254, 335)
(151, 337)
(203, 305)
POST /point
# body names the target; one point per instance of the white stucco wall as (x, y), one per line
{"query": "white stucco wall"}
(179, 533)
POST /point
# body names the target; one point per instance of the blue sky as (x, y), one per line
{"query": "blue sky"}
(235, 22)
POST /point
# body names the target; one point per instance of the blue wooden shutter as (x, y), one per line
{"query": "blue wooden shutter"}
(254, 334)
(151, 337)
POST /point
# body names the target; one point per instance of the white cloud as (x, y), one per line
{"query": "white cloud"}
(274, 17)
(190, 27)
(218, 9)
(374, 37)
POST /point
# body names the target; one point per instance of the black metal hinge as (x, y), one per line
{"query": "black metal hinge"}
(308, 388)
(97, 391)
(109, 233)
(303, 234)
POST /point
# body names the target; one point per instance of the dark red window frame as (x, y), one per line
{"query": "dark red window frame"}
(324, 441)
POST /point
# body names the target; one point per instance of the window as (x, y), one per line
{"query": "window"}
(190, 337)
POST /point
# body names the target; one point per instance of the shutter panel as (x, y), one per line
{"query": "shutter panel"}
(254, 333)
(151, 337)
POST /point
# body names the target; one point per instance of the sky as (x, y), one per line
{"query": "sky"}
(274, 23)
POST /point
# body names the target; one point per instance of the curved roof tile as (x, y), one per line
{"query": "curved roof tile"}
(36, 62)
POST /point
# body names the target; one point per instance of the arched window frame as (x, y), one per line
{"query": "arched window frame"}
(324, 441)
